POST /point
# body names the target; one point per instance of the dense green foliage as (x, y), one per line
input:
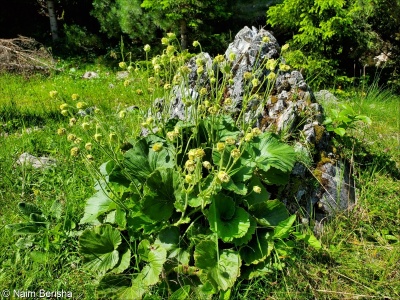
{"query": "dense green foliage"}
(346, 34)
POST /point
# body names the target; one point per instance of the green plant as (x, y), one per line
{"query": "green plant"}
(340, 121)
(44, 234)
(187, 206)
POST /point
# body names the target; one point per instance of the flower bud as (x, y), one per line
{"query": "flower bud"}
(190, 165)
(81, 105)
(188, 178)
(220, 147)
(64, 112)
(98, 137)
(248, 137)
(63, 106)
(85, 126)
(61, 131)
(88, 146)
(53, 94)
(122, 114)
(207, 165)
(235, 153)
(75, 97)
(256, 189)
(74, 151)
(113, 137)
(196, 44)
(122, 65)
(71, 137)
(146, 48)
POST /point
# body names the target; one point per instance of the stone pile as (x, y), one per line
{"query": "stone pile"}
(322, 187)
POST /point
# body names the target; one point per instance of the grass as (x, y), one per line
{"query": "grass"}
(361, 256)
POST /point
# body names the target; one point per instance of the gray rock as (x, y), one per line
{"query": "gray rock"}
(36, 162)
(321, 183)
(338, 193)
(325, 96)
(90, 75)
(122, 75)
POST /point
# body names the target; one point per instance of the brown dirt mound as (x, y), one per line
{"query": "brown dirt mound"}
(24, 55)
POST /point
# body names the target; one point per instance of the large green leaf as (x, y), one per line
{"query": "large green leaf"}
(96, 205)
(99, 246)
(156, 258)
(282, 229)
(226, 219)
(28, 208)
(25, 228)
(181, 294)
(269, 213)
(142, 160)
(259, 248)
(123, 263)
(267, 151)
(160, 190)
(221, 271)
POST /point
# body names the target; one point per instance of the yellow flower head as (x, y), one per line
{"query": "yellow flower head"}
(200, 70)
(199, 153)
(71, 137)
(122, 65)
(257, 189)
(232, 56)
(265, 39)
(247, 75)
(219, 58)
(53, 94)
(64, 112)
(171, 35)
(248, 137)
(255, 82)
(88, 146)
(165, 41)
(271, 76)
(85, 126)
(188, 178)
(146, 48)
(75, 97)
(81, 105)
(61, 131)
(192, 154)
(207, 165)
(113, 137)
(223, 176)
(271, 64)
(228, 101)
(235, 153)
(63, 106)
(196, 44)
(72, 122)
(157, 147)
(98, 137)
(190, 165)
(89, 157)
(203, 91)
(256, 131)
(75, 151)
(285, 47)
(122, 114)
(220, 147)
(284, 67)
(230, 141)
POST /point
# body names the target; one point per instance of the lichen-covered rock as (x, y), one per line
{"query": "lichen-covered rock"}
(321, 183)
(36, 162)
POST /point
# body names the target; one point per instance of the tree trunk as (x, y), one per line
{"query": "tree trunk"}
(183, 34)
(53, 20)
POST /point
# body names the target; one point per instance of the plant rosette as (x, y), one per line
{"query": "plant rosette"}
(204, 233)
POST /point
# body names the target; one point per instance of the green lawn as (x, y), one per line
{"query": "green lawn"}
(361, 255)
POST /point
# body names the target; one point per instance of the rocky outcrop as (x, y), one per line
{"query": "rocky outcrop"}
(36, 162)
(321, 182)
